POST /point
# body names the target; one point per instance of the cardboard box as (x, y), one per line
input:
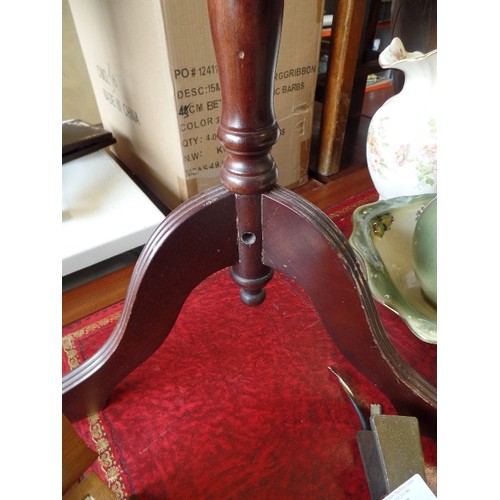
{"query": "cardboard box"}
(153, 72)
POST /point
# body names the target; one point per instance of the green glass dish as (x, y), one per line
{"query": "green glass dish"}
(382, 237)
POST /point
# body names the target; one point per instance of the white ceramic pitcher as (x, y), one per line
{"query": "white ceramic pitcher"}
(401, 145)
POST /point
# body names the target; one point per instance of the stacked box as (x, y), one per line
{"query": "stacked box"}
(153, 71)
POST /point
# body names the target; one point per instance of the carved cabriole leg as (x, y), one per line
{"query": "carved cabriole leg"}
(194, 241)
(323, 264)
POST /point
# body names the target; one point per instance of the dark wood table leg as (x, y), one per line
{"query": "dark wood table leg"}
(322, 262)
(187, 247)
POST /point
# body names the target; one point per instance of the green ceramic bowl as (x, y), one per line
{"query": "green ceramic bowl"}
(382, 238)
(425, 251)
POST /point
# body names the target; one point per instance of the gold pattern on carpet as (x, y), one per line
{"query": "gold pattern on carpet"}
(106, 458)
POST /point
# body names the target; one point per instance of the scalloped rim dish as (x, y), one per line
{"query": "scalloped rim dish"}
(386, 255)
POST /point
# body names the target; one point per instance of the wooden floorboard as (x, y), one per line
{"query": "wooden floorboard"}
(95, 295)
(344, 187)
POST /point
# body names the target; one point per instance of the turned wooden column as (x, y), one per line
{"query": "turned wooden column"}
(246, 37)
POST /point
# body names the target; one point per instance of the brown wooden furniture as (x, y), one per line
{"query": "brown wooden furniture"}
(252, 226)
(350, 62)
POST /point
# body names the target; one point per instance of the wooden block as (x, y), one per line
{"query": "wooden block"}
(77, 457)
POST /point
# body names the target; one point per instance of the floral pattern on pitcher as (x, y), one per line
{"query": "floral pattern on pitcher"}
(423, 160)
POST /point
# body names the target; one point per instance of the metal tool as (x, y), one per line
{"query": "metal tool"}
(390, 447)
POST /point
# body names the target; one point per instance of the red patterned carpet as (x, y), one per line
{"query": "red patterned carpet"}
(238, 402)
